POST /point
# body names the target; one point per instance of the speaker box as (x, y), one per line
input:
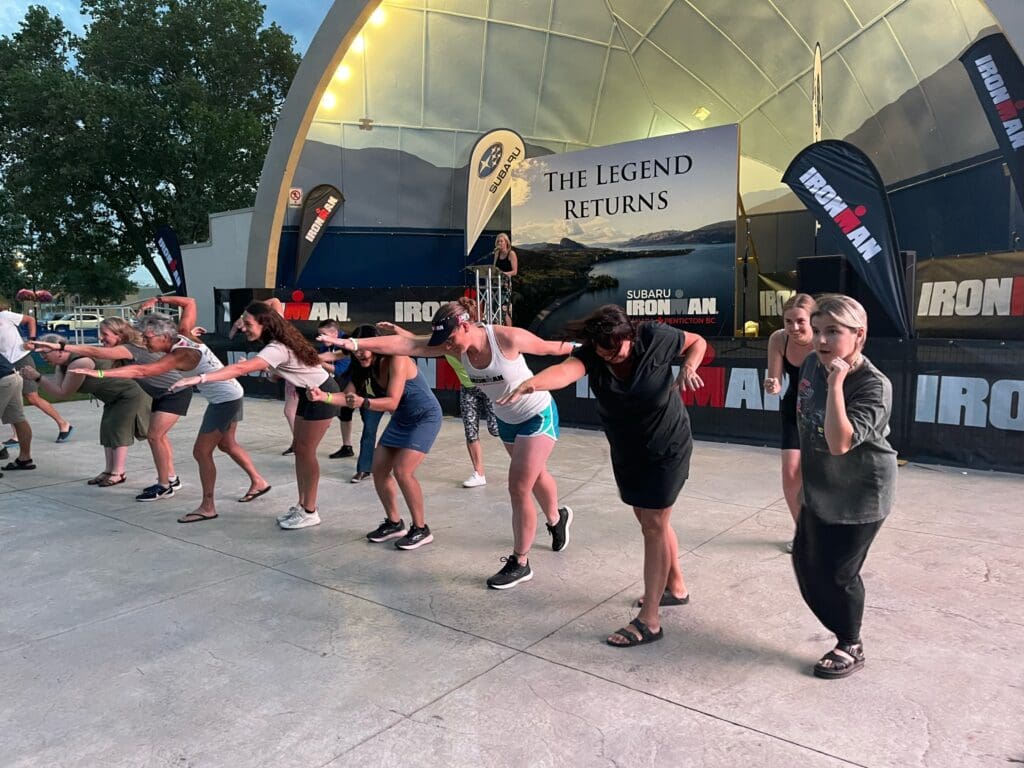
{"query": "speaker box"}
(833, 274)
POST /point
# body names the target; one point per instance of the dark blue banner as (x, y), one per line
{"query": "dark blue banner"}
(170, 252)
(841, 187)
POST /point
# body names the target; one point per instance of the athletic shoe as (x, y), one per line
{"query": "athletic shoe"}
(155, 492)
(4, 454)
(292, 512)
(10, 442)
(175, 482)
(511, 574)
(358, 477)
(387, 530)
(560, 530)
(475, 480)
(415, 538)
(289, 451)
(345, 452)
(303, 519)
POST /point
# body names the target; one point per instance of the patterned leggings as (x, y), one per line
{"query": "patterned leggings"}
(473, 404)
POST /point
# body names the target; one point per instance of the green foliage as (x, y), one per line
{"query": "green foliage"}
(162, 112)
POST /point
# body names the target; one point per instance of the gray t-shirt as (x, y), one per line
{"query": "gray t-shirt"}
(860, 485)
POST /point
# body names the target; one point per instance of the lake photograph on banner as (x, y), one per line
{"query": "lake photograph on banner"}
(649, 225)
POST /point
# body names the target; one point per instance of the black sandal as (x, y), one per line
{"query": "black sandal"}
(646, 636)
(841, 661)
(19, 464)
(667, 599)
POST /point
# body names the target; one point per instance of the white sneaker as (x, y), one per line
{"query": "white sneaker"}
(292, 512)
(301, 520)
(474, 481)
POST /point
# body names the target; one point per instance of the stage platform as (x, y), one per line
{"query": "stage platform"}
(127, 639)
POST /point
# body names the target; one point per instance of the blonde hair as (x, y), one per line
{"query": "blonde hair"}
(125, 332)
(498, 237)
(799, 301)
(844, 310)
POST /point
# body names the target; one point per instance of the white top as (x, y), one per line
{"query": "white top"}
(213, 391)
(10, 337)
(284, 363)
(502, 375)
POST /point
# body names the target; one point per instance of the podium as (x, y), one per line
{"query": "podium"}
(493, 293)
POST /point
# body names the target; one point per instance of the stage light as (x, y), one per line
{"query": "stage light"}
(328, 100)
(358, 45)
(378, 17)
(702, 113)
(342, 73)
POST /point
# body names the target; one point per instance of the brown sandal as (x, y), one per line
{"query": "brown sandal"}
(109, 480)
(99, 478)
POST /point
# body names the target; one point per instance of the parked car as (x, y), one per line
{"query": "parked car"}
(76, 321)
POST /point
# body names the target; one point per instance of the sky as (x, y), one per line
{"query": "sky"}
(299, 18)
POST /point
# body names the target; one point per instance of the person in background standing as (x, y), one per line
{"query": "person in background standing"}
(340, 368)
(507, 262)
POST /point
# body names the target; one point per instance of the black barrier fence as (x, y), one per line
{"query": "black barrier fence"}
(957, 402)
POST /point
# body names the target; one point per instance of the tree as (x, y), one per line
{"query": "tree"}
(162, 112)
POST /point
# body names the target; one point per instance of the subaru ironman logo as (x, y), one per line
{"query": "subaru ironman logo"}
(489, 160)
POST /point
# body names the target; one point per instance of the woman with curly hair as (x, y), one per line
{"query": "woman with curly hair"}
(125, 405)
(123, 345)
(288, 355)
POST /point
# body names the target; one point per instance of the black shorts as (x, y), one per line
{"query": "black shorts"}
(173, 402)
(313, 411)
(220, 416)
(343, 380)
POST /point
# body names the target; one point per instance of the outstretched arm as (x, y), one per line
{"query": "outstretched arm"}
(84, 350)
(60, 387)
(233, 371)
(518, 340)
(177, 360)
(694, 348)
(415, 346)
(556, 377)
(396, 329)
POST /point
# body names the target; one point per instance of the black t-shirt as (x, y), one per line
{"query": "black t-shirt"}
(643, 417)
(6, 369)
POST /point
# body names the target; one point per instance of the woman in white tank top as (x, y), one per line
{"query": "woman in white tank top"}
(493, 359)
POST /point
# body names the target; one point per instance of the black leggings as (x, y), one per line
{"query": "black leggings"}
(827, 559)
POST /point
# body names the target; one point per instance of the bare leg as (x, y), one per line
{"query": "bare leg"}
(202, 452)
(116, 458)
(656, 525)
(792, 482)
(404, 467)
(674, 584)
(529, 456)
(229, 445)
(34, 398)
(476, 455)
(384, 483)
(23, 431)
(308, 435)
(160, 424)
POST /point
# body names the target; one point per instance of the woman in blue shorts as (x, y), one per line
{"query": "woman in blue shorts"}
(493, 358)
(415, 422)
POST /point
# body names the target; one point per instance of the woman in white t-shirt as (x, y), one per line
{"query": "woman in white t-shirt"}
(288, 355)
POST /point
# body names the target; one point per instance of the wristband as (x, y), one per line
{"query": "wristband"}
(202, 378)
(328, 397)
(100, 373)
(355, 345)
(31, 338)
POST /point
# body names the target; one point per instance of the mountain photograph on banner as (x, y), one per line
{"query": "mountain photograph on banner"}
(491, 164)
(842, 188)
(170, 253)
(649, 225)
(321, 204)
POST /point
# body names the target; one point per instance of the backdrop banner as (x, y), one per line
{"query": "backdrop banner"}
(321, 204)
(649, 225)
(841, 187)
(170, 252)
(494, 156)
(971, 297)
(998, 78)
(773, 290)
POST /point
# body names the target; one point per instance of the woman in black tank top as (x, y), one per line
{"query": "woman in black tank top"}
(787, 349)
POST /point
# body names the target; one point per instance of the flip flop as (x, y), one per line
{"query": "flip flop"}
(196, 517)
(19, 464)
(646, 636)
(251, 495)
(62, 437)
(667, 599)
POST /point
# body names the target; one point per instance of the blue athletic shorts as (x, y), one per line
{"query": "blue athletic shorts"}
(544, 423)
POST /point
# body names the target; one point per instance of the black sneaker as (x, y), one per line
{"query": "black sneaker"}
(560, 530)
(415, 538)
(155, 492)
(387, 530)
(175, 483)
(345, 452)
(288, 451)
(358, 477)
(511, 574)
(4, 454)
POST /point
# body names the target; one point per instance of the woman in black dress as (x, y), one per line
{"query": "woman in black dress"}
(648, 430)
